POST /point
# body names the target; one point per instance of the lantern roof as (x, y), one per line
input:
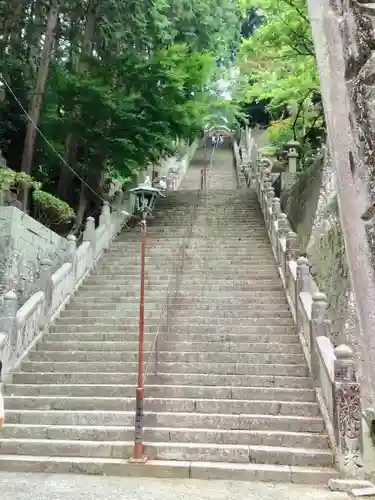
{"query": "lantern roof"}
(146, 187)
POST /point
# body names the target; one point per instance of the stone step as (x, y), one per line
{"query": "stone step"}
(283, 337)
(254, 422)
(225, 332)
(156, 434)
(184, 405)
(186, 322)
(171, 367)
(195, 280)
(167, 357)
(195, 315)
(198, 302)
(166, 451)
(179, 347)
(194, 379)
(234, 296)
(225, 287)
(168, 469)
(226, 270)
(169, 391)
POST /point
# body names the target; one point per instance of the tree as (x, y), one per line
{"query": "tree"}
(113, 85)
(280, 61)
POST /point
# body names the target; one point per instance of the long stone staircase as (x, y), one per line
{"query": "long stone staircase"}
(232, 397)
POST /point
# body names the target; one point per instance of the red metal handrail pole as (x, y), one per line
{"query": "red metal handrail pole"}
(138, 450)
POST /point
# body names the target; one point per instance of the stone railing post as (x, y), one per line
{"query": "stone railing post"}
(288, 177)
(8, 327)
(292, 247)
(318, 328)
(46, 286)
(270, 196)
(282, 225)
(105, 215)
(276, 209)
(72, 252)
(291, 250)
(265, 185)
(8, 312)
(303, 275)
(89, 234)
(347, 418)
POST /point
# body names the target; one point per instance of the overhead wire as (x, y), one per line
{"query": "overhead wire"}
(61, 158)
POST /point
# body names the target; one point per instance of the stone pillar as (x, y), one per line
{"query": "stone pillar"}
(303, 275)
(46, 286)
(270, 196)
(89, 234)
(319, 328)
(347, 418)
(276, 209)
(8, 312)
(282, 226)
(292, 247)
(288, 178)
(72, 251)
(343, 39)
(105, 214)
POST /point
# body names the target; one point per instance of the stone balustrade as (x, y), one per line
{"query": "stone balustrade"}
(20, 328)
(333, 368)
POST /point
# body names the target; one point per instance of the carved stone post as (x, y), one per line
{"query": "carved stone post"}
(276, 209)
(303, 275)
(282, 226)
(292, 250)
(288, 178)
(8, 312)
(282, 231)
(347, 412)
(270, 195)
(46, 286)
(105, 214)
(89, 234)
(292, 247)
(8, 327)
(72, 251)
(318, 328)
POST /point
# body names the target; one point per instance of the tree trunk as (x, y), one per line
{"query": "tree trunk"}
(37, 101)
(71, 143)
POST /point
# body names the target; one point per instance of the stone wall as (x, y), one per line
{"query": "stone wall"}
(24, 244)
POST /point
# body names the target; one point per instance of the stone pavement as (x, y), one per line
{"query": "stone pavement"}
(23, 486)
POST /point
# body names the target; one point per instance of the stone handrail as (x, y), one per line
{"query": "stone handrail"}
(21, 328)
(332, 369)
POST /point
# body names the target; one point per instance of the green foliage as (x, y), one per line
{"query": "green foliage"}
(280, 61)
(50, 209)
(126, 80)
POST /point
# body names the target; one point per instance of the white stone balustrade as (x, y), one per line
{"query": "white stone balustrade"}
(19, 329)
(333, 369)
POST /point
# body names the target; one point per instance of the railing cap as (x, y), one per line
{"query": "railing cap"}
(343, 351)
(10, 295)
(46, 263)
(71, 237)
(319, 297)
(302, 261)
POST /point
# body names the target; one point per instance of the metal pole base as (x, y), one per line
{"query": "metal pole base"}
(142, 460)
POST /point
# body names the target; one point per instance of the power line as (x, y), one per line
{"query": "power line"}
(61, 158)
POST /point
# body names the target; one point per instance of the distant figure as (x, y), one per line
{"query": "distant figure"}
(163, 184)
(221, 140)
(214, 141)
